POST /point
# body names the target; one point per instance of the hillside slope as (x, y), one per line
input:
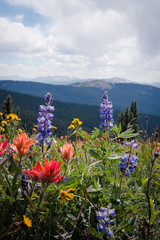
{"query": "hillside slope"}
(64, 113)
(121, 94)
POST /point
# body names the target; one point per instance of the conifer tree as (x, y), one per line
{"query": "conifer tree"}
(129, 118)
(7, 105)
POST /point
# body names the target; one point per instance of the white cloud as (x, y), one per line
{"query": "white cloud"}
(17, 38)
(87, 38)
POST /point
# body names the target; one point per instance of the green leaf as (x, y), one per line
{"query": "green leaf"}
(128, 134)
(93, 153)
(153, 217)
(4, 162)
(84, 135)
(31, 202)
(114, 157)
(94, 233)
(71, 216)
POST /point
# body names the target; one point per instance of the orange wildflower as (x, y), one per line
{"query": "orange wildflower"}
(21, 144)
(67, 151)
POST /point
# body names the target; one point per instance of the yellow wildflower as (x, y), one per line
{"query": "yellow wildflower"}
(76, 121)
(27, 221)
(2, 129)
(12, 117)
(3, 123)
(20, 130)
(54, 128)
(1, 114)
(66, 195)
(35, 126)
(72, 126)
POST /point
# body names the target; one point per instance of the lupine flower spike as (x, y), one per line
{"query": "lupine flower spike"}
(44, 121)
(129, 162)
(104, 218)
(106, 113)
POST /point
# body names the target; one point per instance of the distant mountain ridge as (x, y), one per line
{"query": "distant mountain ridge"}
(121, 94)
(65, 112)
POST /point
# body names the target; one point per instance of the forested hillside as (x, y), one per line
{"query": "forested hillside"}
(121, 94)
(64, 113)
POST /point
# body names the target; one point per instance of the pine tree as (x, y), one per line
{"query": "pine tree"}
(7, 105)
(129, 118)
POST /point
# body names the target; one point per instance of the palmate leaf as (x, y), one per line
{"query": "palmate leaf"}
(129, 133)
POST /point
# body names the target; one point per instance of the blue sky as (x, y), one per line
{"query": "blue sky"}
(80, 38)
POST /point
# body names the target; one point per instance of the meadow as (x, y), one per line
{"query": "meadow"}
(99, 185)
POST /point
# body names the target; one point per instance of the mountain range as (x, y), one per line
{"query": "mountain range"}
(90, 92)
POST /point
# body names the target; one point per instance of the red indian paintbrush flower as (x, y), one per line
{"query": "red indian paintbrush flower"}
(21, 144)
(3, 147)
(67, 151)
(49, 173)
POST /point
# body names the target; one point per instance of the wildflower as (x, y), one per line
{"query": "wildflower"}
(67, 151)
(1, 114)
(132, 144)
(106, 113)
(66, 195)
(3, 147)
(76, 121)
(128, 163)
(54, 128)
(21, 144)
(71, 126)
(12, 117)
(48, 174)
(2, 129)
(104, 218)
(158, 149)
(27, 221)
(24, 182)
(44, 121)
(3, 123)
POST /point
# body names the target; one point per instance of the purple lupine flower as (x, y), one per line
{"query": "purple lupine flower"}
(104, 219)
(24, 182)
(44, 121)
(128, 163)
(109, 232)
(132, 143)
(106, 113)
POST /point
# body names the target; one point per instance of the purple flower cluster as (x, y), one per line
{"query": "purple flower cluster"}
(106, 113)
(129, 162)
(44, 121)
(104, 218)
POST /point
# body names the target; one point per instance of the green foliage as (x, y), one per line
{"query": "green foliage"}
(129, 118)
(92, 178)
(7, 105)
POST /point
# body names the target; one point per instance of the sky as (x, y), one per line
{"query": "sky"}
(81, 38)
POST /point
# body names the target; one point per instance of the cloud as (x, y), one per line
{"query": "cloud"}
(79, 27)
(17, 38)
(89, 38)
